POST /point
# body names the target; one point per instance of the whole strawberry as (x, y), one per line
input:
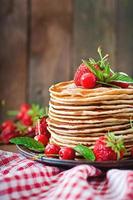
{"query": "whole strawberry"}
(109, 147)
(8, 131)
(24, 108)
(82, 69)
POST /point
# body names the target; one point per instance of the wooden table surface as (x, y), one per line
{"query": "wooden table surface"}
(9, 147)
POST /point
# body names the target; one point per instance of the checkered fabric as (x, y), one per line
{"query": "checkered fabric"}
(24, 179)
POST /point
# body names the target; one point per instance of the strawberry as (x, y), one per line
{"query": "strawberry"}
(8, 131)
(31, 131)
(42, 138)
(6, 135)
(82, 69)
(41, 127)
(120, 84)
(88, 80)
(109, 147)
(23, 110)
(27, 120)
(52, 150)
(66, 153)
(8, 123)
(43, 124)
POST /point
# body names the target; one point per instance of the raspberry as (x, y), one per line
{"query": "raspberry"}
(52, 150)
(66, 153)
(88, 80)
(82, 69)
(106, 148)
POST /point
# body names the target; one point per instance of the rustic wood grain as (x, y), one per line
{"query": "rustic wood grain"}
(13, 58)
(94, 25)
(43, 42)
(9, 147)
(51, 46)
(125, 36)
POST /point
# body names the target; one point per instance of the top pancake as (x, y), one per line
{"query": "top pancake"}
(67, 93)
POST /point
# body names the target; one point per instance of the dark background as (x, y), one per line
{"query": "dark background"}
(43, 42)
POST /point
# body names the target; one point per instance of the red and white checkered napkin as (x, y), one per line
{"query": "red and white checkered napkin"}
(25, 179)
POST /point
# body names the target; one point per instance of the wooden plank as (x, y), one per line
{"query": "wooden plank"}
(51, 35)
(13, 50)
(125, 36)
(9, 147)
(94, 25)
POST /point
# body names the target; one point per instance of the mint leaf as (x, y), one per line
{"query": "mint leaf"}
(120, 77)
(108, 84)
(86, 152)
(90, 66)
(28, 142)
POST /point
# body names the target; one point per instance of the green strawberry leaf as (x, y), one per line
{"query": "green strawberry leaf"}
(28, 142)
(116, 143)
(21, 128)
(37, 112)
(86, 152)
(12, 113)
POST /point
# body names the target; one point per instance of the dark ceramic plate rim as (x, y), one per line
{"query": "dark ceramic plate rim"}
(121, 164)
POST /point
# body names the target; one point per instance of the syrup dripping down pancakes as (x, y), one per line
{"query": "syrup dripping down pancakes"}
(81, 116)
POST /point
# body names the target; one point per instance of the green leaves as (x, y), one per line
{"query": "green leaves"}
(37, 112)
(21, 128)
(116, 143)
(28, 142)
(120, 77)
(86, 152)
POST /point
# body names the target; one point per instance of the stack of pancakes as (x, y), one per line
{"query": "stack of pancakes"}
(81, 116)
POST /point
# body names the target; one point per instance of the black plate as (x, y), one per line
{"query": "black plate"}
(122, 164)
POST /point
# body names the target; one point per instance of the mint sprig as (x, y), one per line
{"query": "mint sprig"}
(28, 142)
(120, 77)
(105, 75)
(84, 151)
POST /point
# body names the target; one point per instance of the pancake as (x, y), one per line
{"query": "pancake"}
(58, 106)
(70, 126)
